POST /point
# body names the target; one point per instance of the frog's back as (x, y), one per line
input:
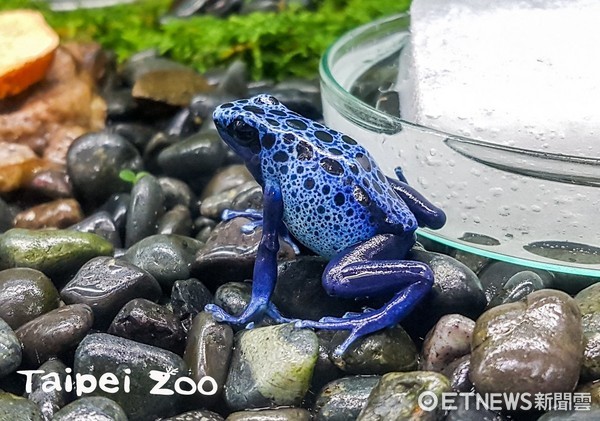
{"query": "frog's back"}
(334, 193)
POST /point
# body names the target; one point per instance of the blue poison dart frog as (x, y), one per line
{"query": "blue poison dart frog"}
(328, 192)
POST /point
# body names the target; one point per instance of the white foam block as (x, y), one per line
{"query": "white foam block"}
(520, 73)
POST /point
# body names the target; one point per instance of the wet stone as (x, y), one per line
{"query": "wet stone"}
(325, 369)
(51, 183)
(248, 199)
(188, 298)
(458, 373)
(535, 345)
(197, 155)
(208, 352)
(468, 410)
(378, 353)
(6, 217)
(233, 297)
(16, 408)
(298, 283)
(591, 415)
(100, 353)
(166, 257)
(395, 397)
(117, 206)
(120, 104)
(49, 400)
(176, 221)
(283, 414)
(213, 206)
(146, 206)
(146, 322)
(56, 253)
(54, 333)
(176, 193)
(138, 134)
(474, 261)
(229, 254)
(227, 178)
(588, 302)
(59, 213)
(92, 408)
(101, 224)
(456, 289)
(449, 339)
(24, 295)
(10, 350)
(495, 275)
(343, 399)
(107, 284)
(271, 366)
(518, 286)
(94, 161)
(175, 86)
(198, 415)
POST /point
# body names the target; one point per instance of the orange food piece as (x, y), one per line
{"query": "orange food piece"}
(27, 46)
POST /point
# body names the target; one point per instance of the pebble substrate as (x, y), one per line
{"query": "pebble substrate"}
(124, 284)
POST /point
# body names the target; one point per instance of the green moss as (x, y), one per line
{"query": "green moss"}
(275, 45)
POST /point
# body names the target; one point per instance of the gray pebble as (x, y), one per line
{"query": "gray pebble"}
(197, 415)
(176, 193)
(395, 397)
(229, 254)
(188, 298)
(378, 353)
(24, 295)
(54, 333)
(200, 154)
(167, 258)
(10, 350)
(146, 206)
(519, 286)
(49, 400)
(208, 352)
(283, 414)
(299, 282)
(176, 221)
(91, 408)
(146, 322)
(271, 366)
(225, 179)
(213, 206)
(100, 353)
(100, 223)
(456, 289)
(458, 373)
(16, 408)
(468, 409)
(94, 161)
(343, 399)
(107, 284)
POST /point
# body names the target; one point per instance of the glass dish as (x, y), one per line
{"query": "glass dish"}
(521, 206)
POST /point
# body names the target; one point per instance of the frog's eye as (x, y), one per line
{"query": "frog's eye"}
(244, 133)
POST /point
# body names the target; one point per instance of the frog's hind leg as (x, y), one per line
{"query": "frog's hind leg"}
(370, 269)
(427, 214)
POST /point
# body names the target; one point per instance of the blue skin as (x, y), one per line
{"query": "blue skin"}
(332, 197)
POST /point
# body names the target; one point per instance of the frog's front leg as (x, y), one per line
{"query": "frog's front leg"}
(371, 269)
(427, 214)
(265, 267)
